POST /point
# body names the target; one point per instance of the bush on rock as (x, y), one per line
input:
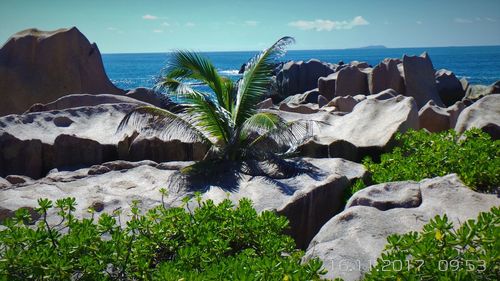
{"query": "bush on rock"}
(213, 242)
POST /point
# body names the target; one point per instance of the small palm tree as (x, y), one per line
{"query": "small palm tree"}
(227, 120)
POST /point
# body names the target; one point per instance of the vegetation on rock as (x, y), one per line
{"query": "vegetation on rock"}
(213, 242)
(474, 157)
(438, 252)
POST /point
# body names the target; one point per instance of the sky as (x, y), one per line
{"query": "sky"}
(126, 26)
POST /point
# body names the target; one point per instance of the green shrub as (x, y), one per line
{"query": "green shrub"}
(475, 158)
(213, 242)
(438, 252)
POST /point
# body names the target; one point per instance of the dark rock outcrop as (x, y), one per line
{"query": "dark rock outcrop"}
(351, 81)
(420, 80)
(299, 77)
(386, 75)
(38, 67)
(449, 87)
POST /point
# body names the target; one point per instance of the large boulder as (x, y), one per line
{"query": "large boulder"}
(299, 77)
(449, 87)
(419, 79)
(81, 100)
(433, 118)
(150, 96)
(355, 238)
(475, 92)
(34, 143)
(308, 199)
(351, 81)
(483, 114)
(310, 96)
(368, 130)
(386, 75)
(326, 85)
(38, 67)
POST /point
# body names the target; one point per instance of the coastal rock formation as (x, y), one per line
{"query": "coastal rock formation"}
(483, 114)
(449, 87)
(310, 96)
(351, 81)
(326, 85)
(346, 103)
(419, 79)
(299, 77)
(433, 118)
(150, 96)
(386, 75)
(475, 92)
(77, 131)
(308, 200)
(358, 235)
(38, 67)
(368, 130)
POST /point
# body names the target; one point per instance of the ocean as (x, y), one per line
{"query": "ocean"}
(479, 65)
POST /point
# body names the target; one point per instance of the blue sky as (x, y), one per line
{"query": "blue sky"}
(158, 26)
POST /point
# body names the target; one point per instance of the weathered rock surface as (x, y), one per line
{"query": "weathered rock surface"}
(308, 199)
(483, 114)
(149, 96)
(475, 92)
(351, 81)
(419, 79)
(307, 97)
(326, 85)
(358, 234)
(299, 77)
(449, 87)
(38, 67)
(368, 130)
(433, 118)
(386, 75)
(299, 108)
(83, 100)
(34, 143)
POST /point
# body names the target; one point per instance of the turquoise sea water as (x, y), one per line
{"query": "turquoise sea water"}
(480, 65)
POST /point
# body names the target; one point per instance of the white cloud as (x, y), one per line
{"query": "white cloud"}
(462, 20)
(328, 25)
(490, 19)
(251, 23)
(189, 24)
(157, 31)
(149, 17)
(165, 23)
(419, 22)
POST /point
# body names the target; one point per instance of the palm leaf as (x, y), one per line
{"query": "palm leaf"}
(186, 65)
(256, 79)
(153, 121)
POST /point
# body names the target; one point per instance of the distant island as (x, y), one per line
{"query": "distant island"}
(373, 47)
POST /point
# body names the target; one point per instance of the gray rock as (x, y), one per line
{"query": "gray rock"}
(20, 157)
(351, 81)
(265, 104)
(83, 100)
(483, 114)
(449, 87)
(68, 62)
(17, 179)
(386, 75)
(368, 130)
(357, 236)
(454, 112)
(419, 79)
(433, 118)
(310, 96)
(301, 108)
(326, 85)
(344, 104)
(384, 95)
(475, 92)
(308, 199)
(322, 101)
(299, 77)
(150, 96)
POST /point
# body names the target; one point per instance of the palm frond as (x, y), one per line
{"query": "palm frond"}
(186, 65)
(270, 126)
(209, 115)
(153, 121)
(256, 79)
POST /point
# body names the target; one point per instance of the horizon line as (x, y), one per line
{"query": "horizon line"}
(333, 49)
